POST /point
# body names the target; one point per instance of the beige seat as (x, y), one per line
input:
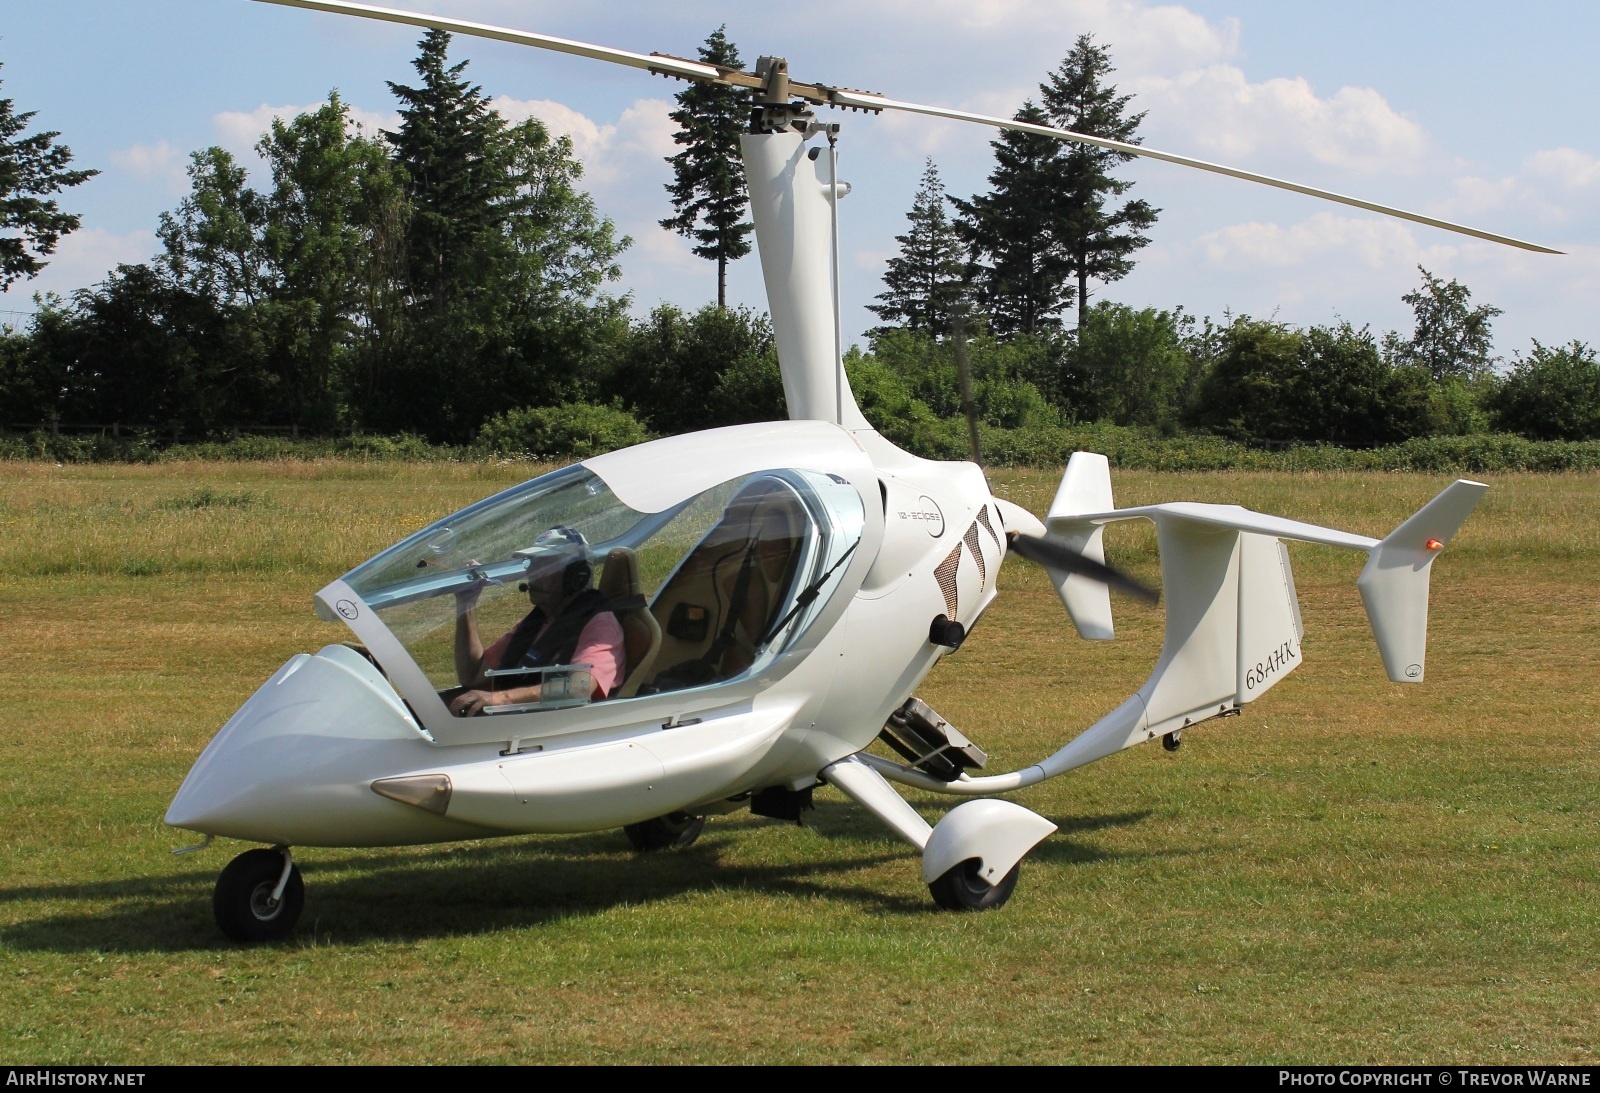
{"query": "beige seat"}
(620, 584)
(755, 545)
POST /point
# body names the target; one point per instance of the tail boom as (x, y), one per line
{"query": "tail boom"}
(1233, 624)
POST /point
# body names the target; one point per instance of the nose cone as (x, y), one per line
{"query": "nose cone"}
(295, 765)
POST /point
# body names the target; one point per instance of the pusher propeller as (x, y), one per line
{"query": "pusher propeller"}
(1056, 554)
(772, 85)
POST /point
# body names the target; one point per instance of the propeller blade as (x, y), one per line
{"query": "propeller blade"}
(958, 336)
(826, 95)
(1056, 554)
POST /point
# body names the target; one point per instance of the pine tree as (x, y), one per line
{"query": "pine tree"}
(1019, 261)
(31, 167)
(925, 278)
(457, 160)
(1097, 234)
(708, 187)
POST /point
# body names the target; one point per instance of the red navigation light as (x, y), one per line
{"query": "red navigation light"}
(1434, 544)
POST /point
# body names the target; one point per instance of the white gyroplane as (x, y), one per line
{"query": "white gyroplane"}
(781, 590)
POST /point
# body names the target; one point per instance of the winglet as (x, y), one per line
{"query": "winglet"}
(1394, 584)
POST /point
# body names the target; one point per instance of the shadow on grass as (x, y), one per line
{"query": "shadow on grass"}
(472, 888)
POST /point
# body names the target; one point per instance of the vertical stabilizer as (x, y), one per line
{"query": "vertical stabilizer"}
(1085, 488)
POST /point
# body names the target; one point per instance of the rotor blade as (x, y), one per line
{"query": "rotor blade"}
(689, 70)
(824, 94)
(864, 101)
(1056, 554)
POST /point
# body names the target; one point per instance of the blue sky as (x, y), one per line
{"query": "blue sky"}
(1464, 110)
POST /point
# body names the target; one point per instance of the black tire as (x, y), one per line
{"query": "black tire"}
(242, 900)
(673, 829)
(960, 888)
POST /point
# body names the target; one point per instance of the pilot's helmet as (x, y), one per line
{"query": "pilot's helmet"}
(565, 549)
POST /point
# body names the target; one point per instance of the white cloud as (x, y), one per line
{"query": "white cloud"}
(1373, 243)
(661, 247)
(874, 261)
(1166, 36)
(1221, 113)
(611, 152)
(159, 162)
(1555, 186)
(82, 258)
(1566, 169)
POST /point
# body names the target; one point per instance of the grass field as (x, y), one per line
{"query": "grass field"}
(1353, 871)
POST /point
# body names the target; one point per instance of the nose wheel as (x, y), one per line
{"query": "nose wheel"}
(962, 888)
(673, 829)
(259, 896)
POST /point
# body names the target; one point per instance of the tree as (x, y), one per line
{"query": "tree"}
(31, 168)
(925, 278)
(504, 259)
(327, 229)
(1323, 385)
(1452, 339)
(143, 351)
(708, 187)
(303, 271)
(1551, 394)
(1130, 366)
(459, 177)
(716, 366)
(212, 241)
(566, 251)
(1019, 263)
(1097, 234)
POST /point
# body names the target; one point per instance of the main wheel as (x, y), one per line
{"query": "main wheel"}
(960, 888)
(243, 903)
(673, 829)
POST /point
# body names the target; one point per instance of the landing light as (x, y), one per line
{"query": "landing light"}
(430, 792)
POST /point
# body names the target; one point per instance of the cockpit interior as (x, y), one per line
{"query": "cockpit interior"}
(708, 590)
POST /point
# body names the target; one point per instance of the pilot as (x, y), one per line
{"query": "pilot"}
(569, 624)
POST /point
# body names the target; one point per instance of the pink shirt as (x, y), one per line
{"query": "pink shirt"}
(600, 644)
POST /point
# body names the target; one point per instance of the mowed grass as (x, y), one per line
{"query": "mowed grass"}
(1352, 871)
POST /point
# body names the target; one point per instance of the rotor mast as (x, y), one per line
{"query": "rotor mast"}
(794, 195)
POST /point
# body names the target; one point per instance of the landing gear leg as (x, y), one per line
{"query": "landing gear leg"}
(259, 896)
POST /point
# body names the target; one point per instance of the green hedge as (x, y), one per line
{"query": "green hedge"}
(106, 449)
(1134, 448)
(575, 430)
(584, 432)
